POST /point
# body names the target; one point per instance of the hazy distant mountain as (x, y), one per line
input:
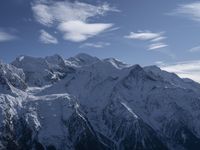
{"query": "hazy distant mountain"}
(85, 103)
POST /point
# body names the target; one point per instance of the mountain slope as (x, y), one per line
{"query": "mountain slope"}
(86, 103)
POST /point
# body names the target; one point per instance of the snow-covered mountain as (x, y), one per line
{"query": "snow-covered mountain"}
(87, 103)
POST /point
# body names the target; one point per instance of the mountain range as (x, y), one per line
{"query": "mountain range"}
(87, 103)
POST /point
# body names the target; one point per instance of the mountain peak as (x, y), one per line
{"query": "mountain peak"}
(55, 56)
(116, 63)
(82, 59)
(55, 60)
(152, 67)
(84, 55)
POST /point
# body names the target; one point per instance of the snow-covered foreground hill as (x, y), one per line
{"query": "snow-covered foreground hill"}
(84, 103)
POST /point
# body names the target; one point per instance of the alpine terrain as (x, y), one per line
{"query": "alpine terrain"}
(87, 103)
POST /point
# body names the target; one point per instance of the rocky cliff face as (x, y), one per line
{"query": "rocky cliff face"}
(84, 103)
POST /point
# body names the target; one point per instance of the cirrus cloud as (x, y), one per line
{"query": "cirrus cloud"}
(48, 13)
(144, 35)
(157, 46)
(6, 36)
(78, 31)
(95, 45)
(47, 38)
(195, 49)
(72, 18)
(155, 38)
(186, 69)
(189, 10)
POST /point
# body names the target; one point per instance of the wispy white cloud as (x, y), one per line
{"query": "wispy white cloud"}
(195, 49)
(95, 45)
(145, 35)
(187, 69)
(155, 39)
(47, 38)
(157, 46)
(5, 36)
(43, 14)
(189, 10)
(78, 31)
(47, 13)
(160, 63)
(160, 38)
(72, 18)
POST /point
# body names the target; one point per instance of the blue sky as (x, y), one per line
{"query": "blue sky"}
(165, 33)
